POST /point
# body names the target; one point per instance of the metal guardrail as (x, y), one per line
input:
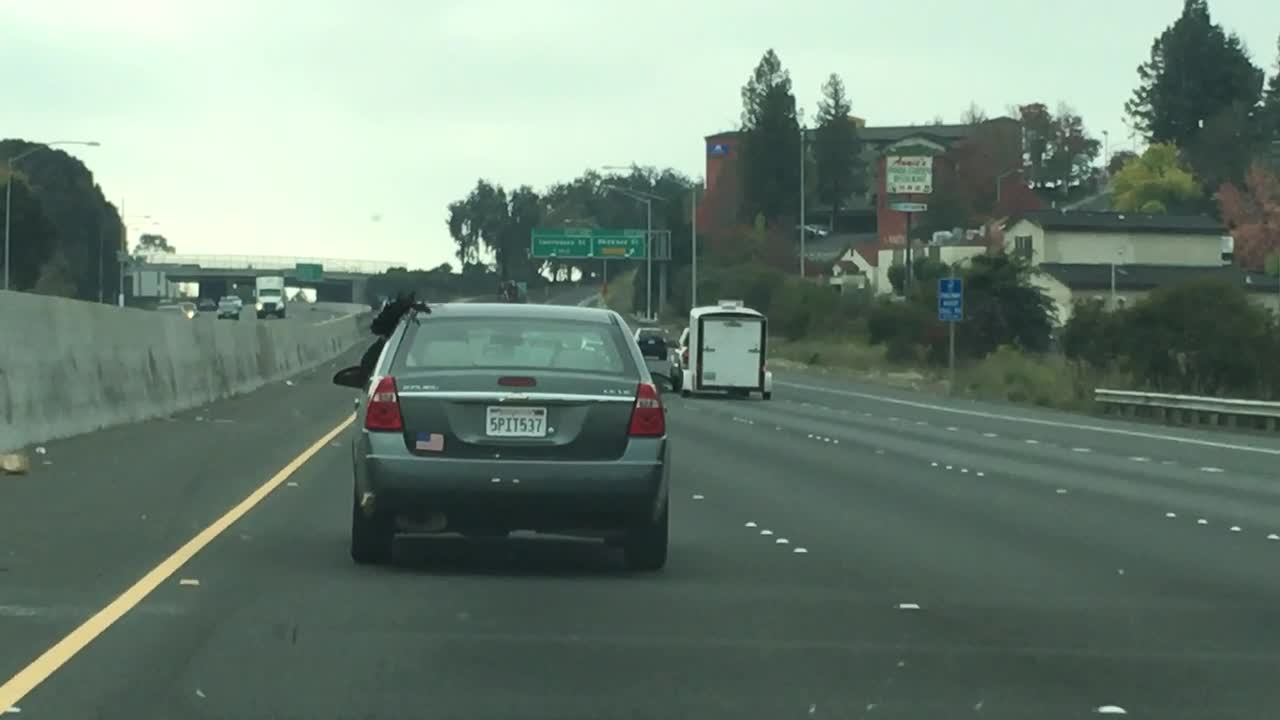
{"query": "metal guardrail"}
(1190, 409)
(268, 262)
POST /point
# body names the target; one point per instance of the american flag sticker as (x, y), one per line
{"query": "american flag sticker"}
(429, 442)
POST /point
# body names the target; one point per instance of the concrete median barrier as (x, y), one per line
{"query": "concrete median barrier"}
(70, 367)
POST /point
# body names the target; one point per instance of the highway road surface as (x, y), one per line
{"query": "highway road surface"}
(842, 551)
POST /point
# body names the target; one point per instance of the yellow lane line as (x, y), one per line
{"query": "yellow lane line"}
(30, 677)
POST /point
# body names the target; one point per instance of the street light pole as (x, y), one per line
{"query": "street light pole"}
(8, 214)
(648, 261)
(1113, 285)
(802, 228)
(124, 241)
(647, 199)
(8, 196)
(1000, 185)
(693, 251)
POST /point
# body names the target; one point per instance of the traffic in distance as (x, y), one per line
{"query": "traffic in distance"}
(269, 298)
(492, 418)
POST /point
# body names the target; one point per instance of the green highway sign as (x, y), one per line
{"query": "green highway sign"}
(587, 243)
(309, 272)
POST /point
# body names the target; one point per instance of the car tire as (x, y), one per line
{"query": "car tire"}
(371, 537)
(767, 396)
(645, 548)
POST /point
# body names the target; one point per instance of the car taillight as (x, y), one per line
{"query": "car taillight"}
(647, 417)
(684, 358)
(383, 412)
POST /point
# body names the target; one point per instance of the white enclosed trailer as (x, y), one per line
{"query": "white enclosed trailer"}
(726, 351)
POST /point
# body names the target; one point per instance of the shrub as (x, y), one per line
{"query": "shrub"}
(1203, 337)
(1010, 375)
(1093, 335)
(801, 309)
(890, 319)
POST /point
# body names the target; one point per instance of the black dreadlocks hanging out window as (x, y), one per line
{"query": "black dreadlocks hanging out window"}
(385, 323)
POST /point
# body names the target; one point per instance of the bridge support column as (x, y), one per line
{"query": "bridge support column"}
(360, 290)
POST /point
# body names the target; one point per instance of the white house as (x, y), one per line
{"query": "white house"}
(1077, 252)
(1087, 237)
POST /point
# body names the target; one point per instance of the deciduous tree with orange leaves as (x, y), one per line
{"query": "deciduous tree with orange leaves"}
(1253, 215)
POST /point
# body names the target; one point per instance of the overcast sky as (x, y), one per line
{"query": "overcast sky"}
(344, 129)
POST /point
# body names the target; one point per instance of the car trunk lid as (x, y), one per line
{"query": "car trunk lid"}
(516, 414)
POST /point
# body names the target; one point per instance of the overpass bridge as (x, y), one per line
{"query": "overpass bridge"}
(333, 279)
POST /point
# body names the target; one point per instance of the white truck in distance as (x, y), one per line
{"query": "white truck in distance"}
(726, 351)
(268, 295)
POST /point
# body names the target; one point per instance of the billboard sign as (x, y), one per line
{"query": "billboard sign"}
(908, 174)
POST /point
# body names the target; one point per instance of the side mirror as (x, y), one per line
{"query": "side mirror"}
(352, 377)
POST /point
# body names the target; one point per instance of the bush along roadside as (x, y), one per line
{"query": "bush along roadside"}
(1203, 337)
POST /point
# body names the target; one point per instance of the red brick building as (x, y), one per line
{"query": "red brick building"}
(987, 154)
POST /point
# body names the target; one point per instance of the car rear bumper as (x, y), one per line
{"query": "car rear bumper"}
(516, 494)
(688, 383)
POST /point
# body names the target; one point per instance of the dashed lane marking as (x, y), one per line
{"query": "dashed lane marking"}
(1037, 421)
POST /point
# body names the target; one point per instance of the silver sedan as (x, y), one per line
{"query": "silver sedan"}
(484, 419)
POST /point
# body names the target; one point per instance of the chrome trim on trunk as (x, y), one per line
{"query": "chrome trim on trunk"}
(491, 396)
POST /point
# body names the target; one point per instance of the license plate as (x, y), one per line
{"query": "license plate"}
(516, 422)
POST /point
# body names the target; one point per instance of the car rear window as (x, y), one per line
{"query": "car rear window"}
(653, 345)
(514, 343)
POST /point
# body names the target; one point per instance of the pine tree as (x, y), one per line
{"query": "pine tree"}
(1196, 70)
(770, 147)
(838, 150)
